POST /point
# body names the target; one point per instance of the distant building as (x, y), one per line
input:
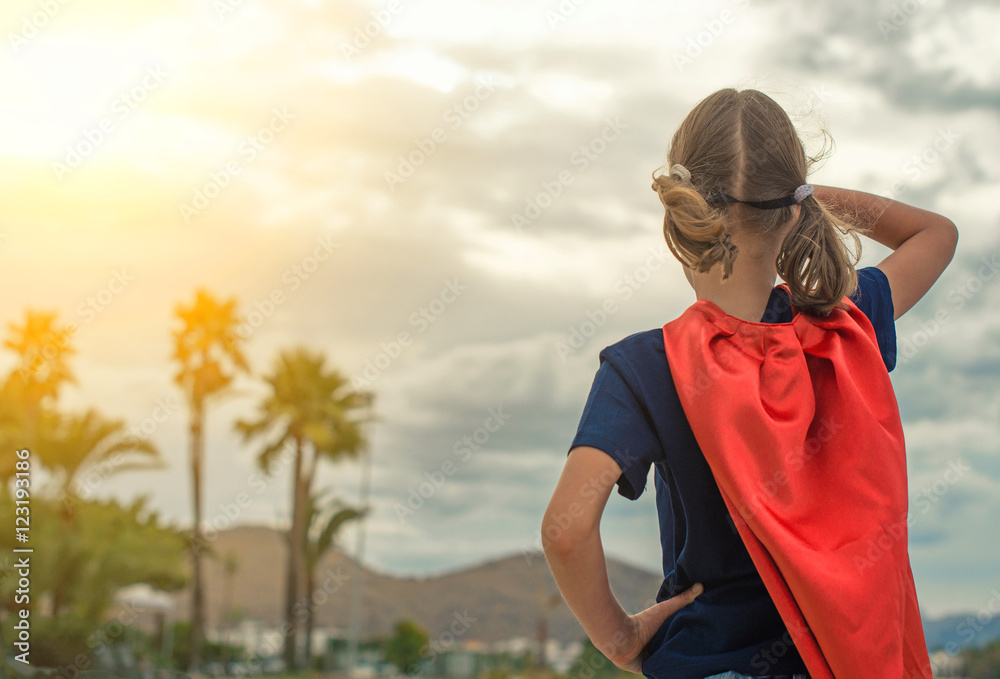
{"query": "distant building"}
(562, 656)
(945, 664)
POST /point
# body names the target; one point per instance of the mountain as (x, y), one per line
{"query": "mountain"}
(500, 599)
(961, 631)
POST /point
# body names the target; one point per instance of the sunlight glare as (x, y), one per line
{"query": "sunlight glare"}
(69, 86)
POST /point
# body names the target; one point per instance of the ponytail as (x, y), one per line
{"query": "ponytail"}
(695, 231)
(816, 263)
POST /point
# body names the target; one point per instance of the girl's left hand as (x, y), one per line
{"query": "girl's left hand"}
(641, 627)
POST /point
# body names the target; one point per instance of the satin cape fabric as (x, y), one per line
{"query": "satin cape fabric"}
(800, 426)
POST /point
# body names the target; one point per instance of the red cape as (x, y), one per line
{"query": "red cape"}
(801, 428)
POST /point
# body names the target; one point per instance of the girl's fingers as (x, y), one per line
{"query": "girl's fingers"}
(674, 604)
(658, 614)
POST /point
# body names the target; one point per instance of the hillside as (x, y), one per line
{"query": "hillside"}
(502, 595)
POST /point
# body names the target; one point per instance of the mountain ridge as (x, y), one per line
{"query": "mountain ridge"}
(505, 597)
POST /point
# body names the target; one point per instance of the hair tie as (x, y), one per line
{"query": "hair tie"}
(680, 172)
(800, 195)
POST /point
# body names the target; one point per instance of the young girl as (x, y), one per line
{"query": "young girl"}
(769, 418)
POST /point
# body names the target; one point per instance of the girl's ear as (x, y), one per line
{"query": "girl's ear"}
(791, 223)
(796, 215)
(687, 274)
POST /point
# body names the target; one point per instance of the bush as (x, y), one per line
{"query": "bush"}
(210, 652)
(55, 641)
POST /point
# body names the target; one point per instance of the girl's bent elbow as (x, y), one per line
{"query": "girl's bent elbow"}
(952, 231)
(558, 537)
(950, 235)
(552, 538)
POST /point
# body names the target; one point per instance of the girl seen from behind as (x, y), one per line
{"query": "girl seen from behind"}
(768, 416)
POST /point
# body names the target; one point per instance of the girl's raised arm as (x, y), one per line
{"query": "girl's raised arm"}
(922, 242)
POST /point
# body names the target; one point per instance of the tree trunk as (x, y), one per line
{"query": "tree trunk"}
(69, 565)
(302, 604)
(310, 622)
(227, 603)
(305, 573)
(197, 595)
(295, 550)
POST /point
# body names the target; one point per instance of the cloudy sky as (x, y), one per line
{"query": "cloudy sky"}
(437, 194)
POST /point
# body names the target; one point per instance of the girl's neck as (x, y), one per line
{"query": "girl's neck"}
(745, 293)
(739, 299)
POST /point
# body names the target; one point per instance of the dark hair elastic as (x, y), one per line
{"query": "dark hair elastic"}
(800, 195)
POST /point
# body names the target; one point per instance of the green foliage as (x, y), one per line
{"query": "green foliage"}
(205, 347)
(81, 562)
(30, 390)
(325, 516)
(210, 651)
(405, 647)
(85, 448)
(13, 431)
(592, 664)
(56, 641)
(505, 664)
(314, 411)
(84, 550)
(43, 348)
(307, 401)
(982, 663)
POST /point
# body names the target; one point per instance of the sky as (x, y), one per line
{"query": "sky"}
(440, 196)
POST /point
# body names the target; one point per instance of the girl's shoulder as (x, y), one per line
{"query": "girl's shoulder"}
(874, 298)
(638, 347)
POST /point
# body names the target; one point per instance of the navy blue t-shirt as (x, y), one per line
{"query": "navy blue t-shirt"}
(634, 415)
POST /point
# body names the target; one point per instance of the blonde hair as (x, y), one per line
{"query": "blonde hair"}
(742, 143)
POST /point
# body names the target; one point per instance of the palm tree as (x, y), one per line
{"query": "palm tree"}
(12, 432)
(208, 361)
(42, 348)
(320, 415)
(123, 545)
(545, 603)
(324, 522)
(73, 447)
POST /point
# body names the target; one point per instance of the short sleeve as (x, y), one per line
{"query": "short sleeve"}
(615, 421)
(874, 298)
